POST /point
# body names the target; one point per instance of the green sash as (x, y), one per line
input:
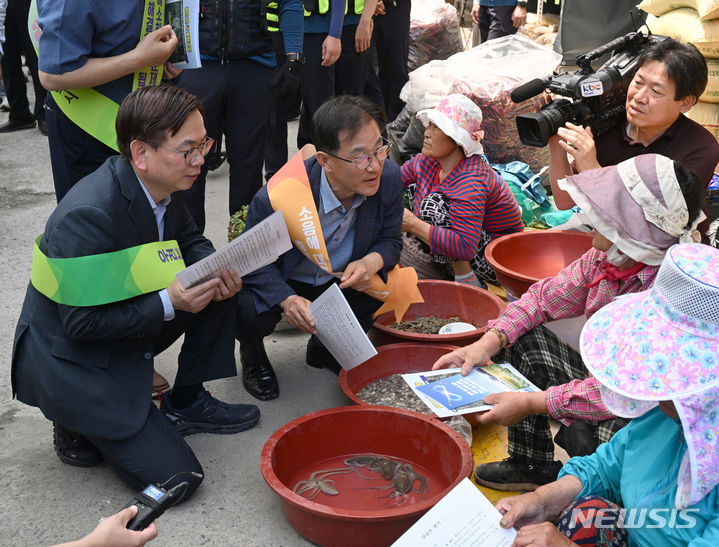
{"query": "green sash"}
(107, 277)
(90, 110)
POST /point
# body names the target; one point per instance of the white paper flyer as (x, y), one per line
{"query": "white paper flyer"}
(184, 16)
(338, 329)
(255, 248)
(463, 518)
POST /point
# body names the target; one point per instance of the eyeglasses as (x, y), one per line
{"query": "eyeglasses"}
(363, 161)
(193, 153)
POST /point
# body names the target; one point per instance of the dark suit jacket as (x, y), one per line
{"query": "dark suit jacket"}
(377, 229)
(90, 368)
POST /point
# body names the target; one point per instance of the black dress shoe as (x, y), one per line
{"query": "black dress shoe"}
(318, 356)
(42, 126)
(258, 376)
(74, 449)
(15, 125)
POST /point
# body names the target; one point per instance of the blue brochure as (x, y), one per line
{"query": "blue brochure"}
(457, 390)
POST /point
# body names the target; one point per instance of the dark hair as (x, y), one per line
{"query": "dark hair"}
(691, 190)
(344, 113)
(150, 113)
(685, 66)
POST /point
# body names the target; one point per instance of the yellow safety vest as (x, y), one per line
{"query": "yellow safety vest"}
(323, 6)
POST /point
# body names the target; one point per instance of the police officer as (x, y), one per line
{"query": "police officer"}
(336, 46)
(238, 76)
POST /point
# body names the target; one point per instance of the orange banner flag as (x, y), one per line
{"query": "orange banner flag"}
(290, 192)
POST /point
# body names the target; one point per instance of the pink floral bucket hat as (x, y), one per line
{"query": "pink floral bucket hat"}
(458, 118)
(663, 345)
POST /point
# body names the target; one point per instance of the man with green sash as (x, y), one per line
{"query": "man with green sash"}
(345, 223)
(91, 54)
(103, 301)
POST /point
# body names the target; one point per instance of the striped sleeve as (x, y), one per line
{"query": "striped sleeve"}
(467, 201)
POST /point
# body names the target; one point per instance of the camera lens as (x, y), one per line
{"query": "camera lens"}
(536, 129)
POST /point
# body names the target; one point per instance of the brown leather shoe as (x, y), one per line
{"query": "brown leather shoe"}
(159, 384)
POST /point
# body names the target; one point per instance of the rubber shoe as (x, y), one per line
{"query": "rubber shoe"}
(209, 415)
(74, 449)
(512, 474)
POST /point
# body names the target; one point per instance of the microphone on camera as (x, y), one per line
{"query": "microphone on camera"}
(529, 90)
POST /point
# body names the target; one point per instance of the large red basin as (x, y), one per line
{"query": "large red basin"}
(391, 359)
(523, 258)
(309, 442)
(444, 299)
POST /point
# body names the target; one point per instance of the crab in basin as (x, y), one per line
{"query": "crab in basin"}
(402, 476)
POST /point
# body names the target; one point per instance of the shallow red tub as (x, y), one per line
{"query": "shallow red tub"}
(391, 359)
(363, 514)
(443, 299)
(523, 258)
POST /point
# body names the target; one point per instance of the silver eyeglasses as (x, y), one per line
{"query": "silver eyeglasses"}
(363, 161)
(193, 153)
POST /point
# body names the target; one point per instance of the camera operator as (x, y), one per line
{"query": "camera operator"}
(669, 80)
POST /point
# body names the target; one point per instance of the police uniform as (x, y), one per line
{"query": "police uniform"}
(238, 64)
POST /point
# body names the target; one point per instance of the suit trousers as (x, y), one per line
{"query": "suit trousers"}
(251, 324)
(157, 453)
(319, 83)
(391, 37)
(74, 154)
(18, 44)
(237, 101)
(495, 22)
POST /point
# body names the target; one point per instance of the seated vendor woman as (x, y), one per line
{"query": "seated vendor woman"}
(357, 199)
(639, 209)
(459, 203)
(654, 354)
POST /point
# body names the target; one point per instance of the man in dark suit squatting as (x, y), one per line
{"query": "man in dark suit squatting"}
(357, 193)
(91, 324)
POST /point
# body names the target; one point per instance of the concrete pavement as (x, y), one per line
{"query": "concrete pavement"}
(43, 501)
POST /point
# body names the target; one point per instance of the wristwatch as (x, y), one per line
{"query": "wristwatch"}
(297, 57)
(522, 4)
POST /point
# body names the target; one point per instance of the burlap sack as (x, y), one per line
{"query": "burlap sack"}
(707, 9)
(684, 25)
(707, 115)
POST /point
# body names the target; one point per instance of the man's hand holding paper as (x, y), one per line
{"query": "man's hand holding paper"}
(297, 314)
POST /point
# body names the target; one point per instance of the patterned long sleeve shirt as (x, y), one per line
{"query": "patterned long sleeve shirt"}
(566, 295)
(576, 399)
(479, 199)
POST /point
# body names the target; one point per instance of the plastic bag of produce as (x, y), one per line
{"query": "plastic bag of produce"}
(487, 74)
(433, 32)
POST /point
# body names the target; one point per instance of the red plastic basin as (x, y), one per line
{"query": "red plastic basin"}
(322, 439)
(444, 299)
(523, 258)
(391, 359)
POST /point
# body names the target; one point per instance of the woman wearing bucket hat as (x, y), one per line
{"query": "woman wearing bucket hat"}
(656, 356)
(638, 208)
(459, 204)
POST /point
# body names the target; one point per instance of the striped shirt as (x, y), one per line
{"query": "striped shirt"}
(479, 199)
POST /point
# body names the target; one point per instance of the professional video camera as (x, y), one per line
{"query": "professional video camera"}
(600, 95)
